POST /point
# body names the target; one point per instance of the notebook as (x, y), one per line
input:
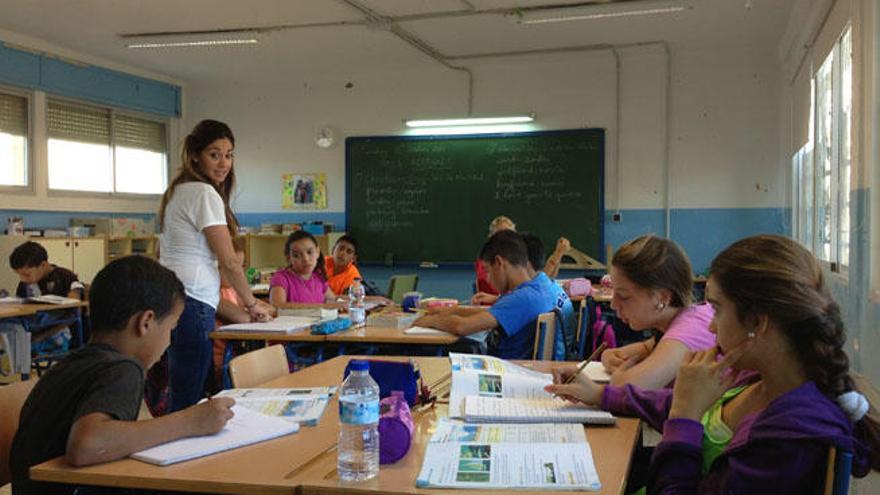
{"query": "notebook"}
(52, 299)
(500, 410)
(245, 428)
(282, 324)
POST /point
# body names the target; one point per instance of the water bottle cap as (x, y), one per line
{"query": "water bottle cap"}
(359, 365)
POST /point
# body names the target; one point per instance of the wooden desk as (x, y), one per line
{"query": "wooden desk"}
(263, 468)
(305, 462)
(611, 446)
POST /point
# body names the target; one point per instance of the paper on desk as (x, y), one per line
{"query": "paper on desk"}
(424, 331)
(550, 410)
(11, 300)
(281, 324)
(489, 376)
(596, 371)
(245, 428)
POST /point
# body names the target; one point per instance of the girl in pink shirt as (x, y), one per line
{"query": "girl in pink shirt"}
(304, 279)
(652, 290)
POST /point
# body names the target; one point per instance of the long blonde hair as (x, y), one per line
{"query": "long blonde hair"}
(202, 135)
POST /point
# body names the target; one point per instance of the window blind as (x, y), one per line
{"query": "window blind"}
(71, 122)
(132, 132)
(13, 115)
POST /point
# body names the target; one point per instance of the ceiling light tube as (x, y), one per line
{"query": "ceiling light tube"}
(192, 44)
(603, 11)
(515, 119)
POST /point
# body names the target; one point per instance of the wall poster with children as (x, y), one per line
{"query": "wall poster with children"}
(304, 191)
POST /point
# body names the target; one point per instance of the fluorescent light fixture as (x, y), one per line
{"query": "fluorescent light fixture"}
(598, 11)
(475, 121)
(193, 44)
(469, 129)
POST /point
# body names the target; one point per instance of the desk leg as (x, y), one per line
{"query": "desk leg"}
(227, 356)
(341, 349)
(319, 353)
(79, 328)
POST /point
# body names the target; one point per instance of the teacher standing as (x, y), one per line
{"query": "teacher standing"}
(196, 243)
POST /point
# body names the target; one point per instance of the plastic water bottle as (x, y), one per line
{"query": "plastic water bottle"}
(357, 310)
(358, 425)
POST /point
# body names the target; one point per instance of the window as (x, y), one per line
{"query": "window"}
(14, 170)
(96, 149)
(822, 168)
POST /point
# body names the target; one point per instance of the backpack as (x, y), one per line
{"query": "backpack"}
(603, 329)
(371, 289)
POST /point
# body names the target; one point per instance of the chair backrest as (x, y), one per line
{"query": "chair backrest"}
(545, 337)
(400, 285)
(12, 397)
(256, 367)
(838, 472)
(583, 329)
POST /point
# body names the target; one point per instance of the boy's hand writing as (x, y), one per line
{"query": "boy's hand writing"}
(210, 416)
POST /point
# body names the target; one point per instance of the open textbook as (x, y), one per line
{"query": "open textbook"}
(45, 299)
(245, 428)
(486, 388)
(298, 405)
(537, 456)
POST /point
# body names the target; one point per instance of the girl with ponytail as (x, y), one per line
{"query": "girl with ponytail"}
(196, 243)
(757, 413)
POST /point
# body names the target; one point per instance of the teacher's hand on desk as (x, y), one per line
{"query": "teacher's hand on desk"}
(260, 311)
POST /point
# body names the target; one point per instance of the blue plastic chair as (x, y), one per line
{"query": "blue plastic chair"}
(838, 472)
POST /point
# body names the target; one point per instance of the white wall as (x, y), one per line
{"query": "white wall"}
(724, 120)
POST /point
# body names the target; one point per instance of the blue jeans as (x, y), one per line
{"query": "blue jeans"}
(190, 354)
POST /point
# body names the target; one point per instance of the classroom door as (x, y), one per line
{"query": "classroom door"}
(89, 256)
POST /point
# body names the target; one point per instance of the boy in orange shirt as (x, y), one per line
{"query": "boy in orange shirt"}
(340, 268)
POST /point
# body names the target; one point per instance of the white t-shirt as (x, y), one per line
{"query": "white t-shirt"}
(183, 247)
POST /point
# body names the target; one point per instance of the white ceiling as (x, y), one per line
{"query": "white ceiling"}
(292, 54)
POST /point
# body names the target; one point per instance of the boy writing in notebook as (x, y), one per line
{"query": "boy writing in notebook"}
(512, 317)
(85, 408)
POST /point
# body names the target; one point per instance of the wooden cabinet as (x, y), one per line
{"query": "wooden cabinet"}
(85, 256)
(124, 246)
(266, 251)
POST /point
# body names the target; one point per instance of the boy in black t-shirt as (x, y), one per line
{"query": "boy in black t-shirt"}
(38, 278)
(85, 408)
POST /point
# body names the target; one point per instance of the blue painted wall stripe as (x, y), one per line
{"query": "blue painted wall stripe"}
(97, 84)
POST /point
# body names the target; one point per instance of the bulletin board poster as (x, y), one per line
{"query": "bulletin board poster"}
(304, 191)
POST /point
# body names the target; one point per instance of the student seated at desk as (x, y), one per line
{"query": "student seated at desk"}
(40, 278)
(340, 268)
(652, 290)
(535, 249)
(512, 318)
(764, 431)
(304, 280)
(85, 408)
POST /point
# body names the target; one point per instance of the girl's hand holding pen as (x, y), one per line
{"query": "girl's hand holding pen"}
(578, 389)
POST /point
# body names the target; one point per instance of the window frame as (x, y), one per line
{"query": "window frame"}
(30, 188)
(808, 153)
(114, 111)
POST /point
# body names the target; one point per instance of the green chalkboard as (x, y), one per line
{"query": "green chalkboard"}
(430, 199)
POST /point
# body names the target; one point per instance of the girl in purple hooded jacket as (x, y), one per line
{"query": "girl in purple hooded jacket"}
(767, 430)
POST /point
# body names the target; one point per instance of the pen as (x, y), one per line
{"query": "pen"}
(585, 363)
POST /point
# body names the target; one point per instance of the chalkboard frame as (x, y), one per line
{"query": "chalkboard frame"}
(600, 250)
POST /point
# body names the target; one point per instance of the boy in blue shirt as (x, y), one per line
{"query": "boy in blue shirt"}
(512, 317)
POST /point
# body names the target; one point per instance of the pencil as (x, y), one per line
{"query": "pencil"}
(585, 363)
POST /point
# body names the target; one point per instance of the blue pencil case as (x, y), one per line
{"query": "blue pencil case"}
(395, 375)
(327, 327)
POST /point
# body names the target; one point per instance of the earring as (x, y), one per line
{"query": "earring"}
(660, 306)
(750, 335)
